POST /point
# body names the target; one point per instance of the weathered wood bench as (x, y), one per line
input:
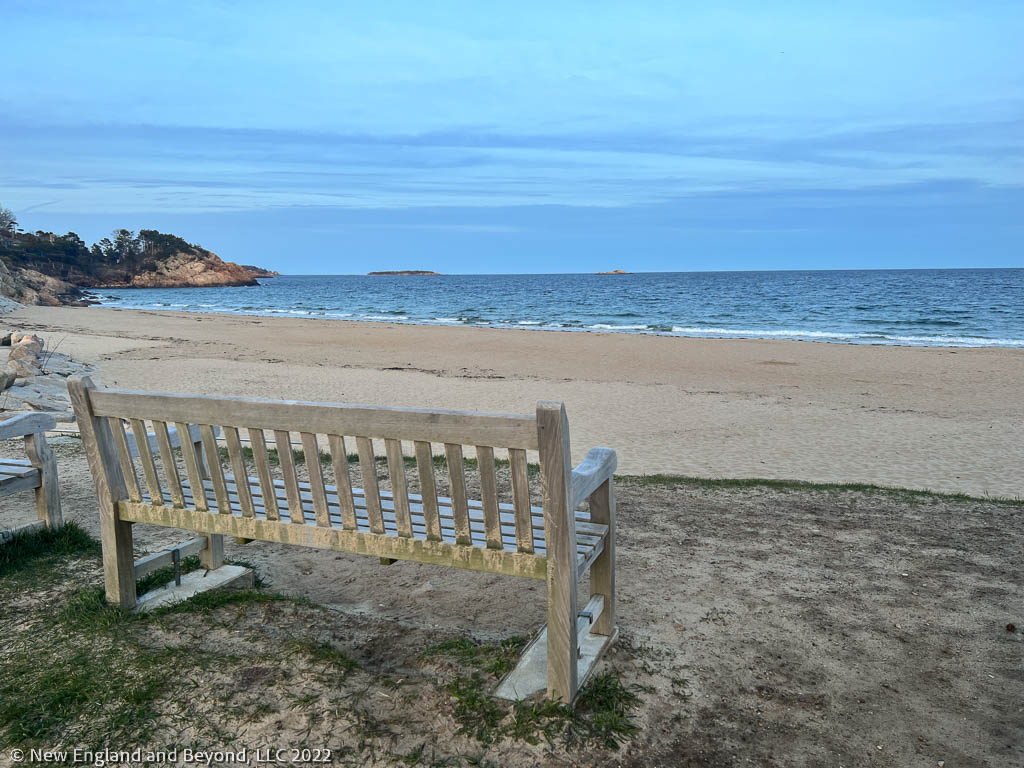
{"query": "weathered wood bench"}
(37, 473)
(552, 542)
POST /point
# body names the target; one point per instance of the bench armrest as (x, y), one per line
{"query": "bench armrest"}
(598, 466)
(26, 424)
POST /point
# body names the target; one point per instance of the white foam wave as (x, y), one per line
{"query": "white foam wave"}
(609, 327)
(880, 338)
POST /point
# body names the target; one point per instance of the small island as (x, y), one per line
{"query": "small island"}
(614, 272)
(260, 271)
(406, 272)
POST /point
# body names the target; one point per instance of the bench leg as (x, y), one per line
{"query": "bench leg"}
(116, 534)
(563, 642)
(212, 555)
(602, 571)
(48, 493)
(118, 558)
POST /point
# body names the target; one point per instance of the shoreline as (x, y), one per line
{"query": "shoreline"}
(948, 419)
(817, 337)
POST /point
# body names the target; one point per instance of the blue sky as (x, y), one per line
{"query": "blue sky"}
(524, 137)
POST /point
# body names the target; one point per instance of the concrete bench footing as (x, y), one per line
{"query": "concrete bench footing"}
(531, 673)
(225, 577)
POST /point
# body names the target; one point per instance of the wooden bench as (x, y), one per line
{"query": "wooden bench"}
(37, 473)
(553, 542)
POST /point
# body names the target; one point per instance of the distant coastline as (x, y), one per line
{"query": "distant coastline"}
(405, 272)
(614, 272)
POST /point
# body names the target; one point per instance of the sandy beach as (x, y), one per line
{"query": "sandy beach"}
(932, 418)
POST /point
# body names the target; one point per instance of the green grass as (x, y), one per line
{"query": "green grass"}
(601, 716)
(326, 655)
(495, 660)
(36, 552)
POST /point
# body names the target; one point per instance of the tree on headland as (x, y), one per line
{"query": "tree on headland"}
(8, 222)
(8, 225)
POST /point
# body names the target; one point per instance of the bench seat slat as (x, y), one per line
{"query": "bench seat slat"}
(13, 483)
(14, 463)
(16, 470)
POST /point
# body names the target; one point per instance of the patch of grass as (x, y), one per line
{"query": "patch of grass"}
(477, 713)
(88, 681)
(208, 602)
(82, 670)
(30, 550)
(601, 717)
(87, 611)
(327, 654)
(495, 660)
(903, 494)
(603, 709)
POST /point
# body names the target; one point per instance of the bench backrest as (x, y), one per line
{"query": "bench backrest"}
(134, 476)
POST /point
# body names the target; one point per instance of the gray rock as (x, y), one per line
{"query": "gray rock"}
(25, 351)
(6, 379)
(5, 340)
(22, 369)
(31, 341)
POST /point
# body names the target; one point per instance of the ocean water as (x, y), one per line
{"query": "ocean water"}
(961, 307)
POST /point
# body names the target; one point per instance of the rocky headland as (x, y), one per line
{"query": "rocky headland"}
(49, 269)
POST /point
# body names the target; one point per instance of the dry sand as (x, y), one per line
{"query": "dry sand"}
(936, 418)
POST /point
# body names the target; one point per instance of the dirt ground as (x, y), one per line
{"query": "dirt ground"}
(759, 626)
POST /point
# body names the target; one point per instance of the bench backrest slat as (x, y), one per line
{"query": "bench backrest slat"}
(124, 457)
(428, 490)
(439, 426)
(193, 464)
(343, 481)
(521, 499)
(489, 496)
(141, 434)
(163, 441)
(457, 480)
(237, 459)
(261, 459)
